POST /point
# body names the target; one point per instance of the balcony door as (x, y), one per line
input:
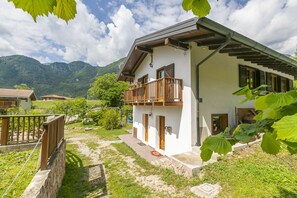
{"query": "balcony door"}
(163, 72)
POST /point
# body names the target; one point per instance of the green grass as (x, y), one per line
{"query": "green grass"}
(256, 175)
(75, 182)
(98, 130)
(120, 182)
(10, 164)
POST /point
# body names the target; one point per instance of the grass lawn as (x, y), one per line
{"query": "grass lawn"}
(10, 164)
(247, 173)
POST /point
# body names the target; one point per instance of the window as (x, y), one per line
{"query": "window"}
(166, 71)
(277, 83)
(219, 123)
(143, 79)
(251, 77)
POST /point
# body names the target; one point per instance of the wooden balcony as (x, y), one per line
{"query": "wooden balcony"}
(161, 92)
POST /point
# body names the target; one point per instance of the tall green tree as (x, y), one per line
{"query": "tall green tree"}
(22, 86)
(108, 89)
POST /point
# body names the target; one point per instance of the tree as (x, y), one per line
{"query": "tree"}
(108, 89)
(64, 9)
(277, 121)
(22, 86)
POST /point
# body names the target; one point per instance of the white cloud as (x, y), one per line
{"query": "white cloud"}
(89, 39)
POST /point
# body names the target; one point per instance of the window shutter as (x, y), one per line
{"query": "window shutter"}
(279, 84)
(262, 78)
(242, 76)
(290, 84)
(269, 81)
(169, 71)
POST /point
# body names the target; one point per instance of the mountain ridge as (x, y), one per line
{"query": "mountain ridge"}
(69, 79)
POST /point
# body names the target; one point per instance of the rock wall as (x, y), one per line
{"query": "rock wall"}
(48, 182)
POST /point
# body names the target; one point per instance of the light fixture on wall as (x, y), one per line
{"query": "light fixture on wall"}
(151, 63)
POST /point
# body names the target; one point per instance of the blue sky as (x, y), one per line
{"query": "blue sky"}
(103, 31)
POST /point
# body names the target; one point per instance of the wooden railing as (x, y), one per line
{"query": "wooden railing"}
(164, 91)
(51, 139)
(18, 129)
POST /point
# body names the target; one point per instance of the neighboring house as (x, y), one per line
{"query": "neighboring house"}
(17, 97)
(54, 97)
(184, 77)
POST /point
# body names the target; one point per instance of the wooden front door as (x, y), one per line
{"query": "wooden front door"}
(146, 127)
(162, 132)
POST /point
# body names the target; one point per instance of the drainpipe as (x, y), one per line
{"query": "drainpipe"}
(229, 37)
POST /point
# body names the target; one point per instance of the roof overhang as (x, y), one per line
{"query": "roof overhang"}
(206, 33)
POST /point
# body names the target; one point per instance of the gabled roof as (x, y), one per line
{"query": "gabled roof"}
(208, 33)
(55, 96)
(17, 93)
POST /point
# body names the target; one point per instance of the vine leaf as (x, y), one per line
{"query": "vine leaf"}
(35, 7)
(65, 9)
(200, 8)
(286, 128)
(270, 144)
(216, 143)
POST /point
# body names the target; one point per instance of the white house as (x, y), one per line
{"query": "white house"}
(17, 97)
(184, 77)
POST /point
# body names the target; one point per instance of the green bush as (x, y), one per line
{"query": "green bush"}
(96, 115)
(111, 119)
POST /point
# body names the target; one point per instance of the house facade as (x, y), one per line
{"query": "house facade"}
(54, 97)
(183, 78)
(16, 97)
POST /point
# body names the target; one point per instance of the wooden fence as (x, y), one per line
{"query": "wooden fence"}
(52, 137)
(18, 129)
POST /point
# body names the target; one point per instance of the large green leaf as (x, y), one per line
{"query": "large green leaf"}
(200, 8)
(65, 9)
(271, 113)
(206, 153)
(187, 4)
(270, 144)
(273, 101)
(35, 7)
(216, 143)
(290, 109)
(286, 128)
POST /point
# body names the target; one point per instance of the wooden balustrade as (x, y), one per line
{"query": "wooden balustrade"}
(51, 139)
(18, 129)
(164, 91)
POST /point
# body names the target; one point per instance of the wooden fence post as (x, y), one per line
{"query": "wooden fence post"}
(4, 131)
(44, 149)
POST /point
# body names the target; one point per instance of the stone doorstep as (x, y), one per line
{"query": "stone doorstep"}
(206, 190)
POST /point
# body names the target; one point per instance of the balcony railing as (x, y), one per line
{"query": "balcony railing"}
(164, 91)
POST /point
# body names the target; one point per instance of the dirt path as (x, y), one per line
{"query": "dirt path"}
(97, 172)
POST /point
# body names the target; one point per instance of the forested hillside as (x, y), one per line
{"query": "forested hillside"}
(72, 79)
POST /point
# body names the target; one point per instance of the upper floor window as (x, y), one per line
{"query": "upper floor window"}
(251, 77)
(166, 71)
(143, 79)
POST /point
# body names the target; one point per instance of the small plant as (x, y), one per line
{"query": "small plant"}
(111, 119)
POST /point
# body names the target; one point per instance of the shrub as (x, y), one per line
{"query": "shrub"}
(96, 115)
(111, 119)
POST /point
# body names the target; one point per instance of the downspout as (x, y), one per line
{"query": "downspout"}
(229, 37)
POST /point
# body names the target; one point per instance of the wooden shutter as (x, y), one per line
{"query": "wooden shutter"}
(291, 84)
(169, 71)
(242, 76)
(269, 81)
(279, 84)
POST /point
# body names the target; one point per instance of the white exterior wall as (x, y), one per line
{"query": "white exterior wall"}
(26, 105)
(218, 79)
(178, 117)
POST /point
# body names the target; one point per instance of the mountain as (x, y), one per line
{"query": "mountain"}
(67, 79)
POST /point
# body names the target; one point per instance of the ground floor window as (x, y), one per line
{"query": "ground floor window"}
(219, 122)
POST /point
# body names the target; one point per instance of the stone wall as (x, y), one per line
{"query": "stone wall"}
(48, 182)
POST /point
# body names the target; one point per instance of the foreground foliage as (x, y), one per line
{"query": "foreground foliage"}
(277, 121)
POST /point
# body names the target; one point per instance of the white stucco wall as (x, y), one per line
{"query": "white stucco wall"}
(218, 79)
(178, 117)
(26, 105)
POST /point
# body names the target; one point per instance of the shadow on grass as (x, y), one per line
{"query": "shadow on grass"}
(286, 193)
(80, 180)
